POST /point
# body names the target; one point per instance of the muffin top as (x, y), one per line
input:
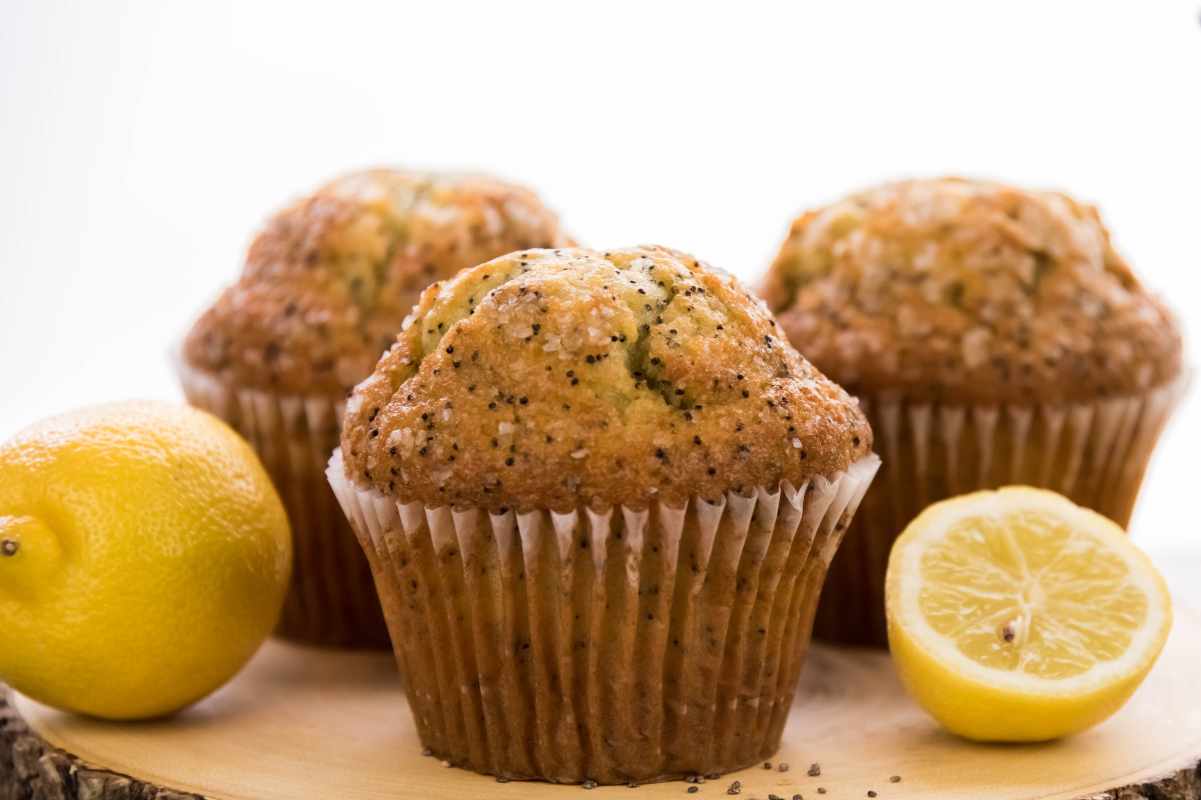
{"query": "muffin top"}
(329, 279)
(969, 291)
(554, 378)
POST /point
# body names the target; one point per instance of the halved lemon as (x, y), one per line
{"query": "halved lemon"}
(1016, 615)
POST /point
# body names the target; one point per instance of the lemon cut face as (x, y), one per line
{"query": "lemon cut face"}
(1016, 615)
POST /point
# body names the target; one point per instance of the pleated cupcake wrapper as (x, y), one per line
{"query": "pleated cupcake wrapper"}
(614, 646)
(332, 599)
(1094, 453)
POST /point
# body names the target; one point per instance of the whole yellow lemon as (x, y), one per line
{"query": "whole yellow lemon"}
(144, 557)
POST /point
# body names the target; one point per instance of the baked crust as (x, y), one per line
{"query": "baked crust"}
(551, 378)
(329, 279)
(969, 291)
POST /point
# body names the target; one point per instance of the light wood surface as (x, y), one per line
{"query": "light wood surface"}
(306, 723)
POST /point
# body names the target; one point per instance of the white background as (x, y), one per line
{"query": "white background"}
(141, 144)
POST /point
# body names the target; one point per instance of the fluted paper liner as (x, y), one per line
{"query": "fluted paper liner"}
(613, 646)
(331, 600)
(1093, 453)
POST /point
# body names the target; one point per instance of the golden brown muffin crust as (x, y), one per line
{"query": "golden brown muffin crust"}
(329, 279)
(551, 378)
(969, 291)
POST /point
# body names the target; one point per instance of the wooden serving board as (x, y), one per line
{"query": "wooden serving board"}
(301, 723)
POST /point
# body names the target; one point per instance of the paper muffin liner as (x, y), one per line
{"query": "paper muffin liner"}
(331, 600)
(1093, 453)
(611, 646)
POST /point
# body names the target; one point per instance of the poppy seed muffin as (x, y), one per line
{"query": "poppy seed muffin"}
(601, 490)
(994, 335)
(325, 288)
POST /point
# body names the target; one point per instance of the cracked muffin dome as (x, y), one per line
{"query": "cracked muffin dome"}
(551, 378)
(969, 291)
(329, 279)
